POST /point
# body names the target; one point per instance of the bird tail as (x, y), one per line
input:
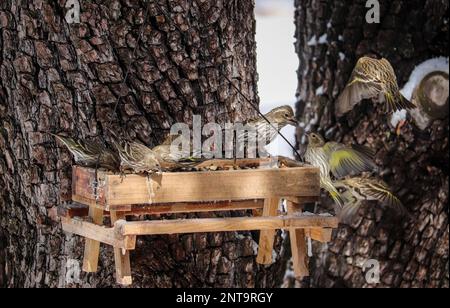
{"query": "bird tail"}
(335, 195)
(349, 211)
(397, 102)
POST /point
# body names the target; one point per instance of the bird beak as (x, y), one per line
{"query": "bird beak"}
(293, 121)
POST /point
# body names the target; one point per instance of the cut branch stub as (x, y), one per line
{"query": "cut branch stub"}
(431, 97)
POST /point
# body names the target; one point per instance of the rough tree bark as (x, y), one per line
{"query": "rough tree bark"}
(66, 78)
(415, 163)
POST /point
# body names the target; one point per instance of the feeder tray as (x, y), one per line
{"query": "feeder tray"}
(99, 194)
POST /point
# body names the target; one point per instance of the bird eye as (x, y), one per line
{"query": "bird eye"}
(286, 115)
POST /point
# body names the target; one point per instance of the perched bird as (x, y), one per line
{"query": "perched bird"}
(164, 150)
(336, 159)
(172, 159)
(90, 153)
(137, 157)
(279, 118)
(359, 189)
(372, 79)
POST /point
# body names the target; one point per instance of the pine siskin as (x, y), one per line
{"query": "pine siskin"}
(170, 159)
(90, 153)
(338, 160)
(359, 189)
(137, 157)
(279, 117)
(372, 79)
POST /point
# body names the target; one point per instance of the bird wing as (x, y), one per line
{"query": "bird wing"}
(344, 160)
(380, 191)
(352, 206)
(79, 148)
(357, 90)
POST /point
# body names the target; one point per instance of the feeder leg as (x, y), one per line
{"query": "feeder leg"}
(298, 244)
(91, 247)
(121, 258)
(267, 237)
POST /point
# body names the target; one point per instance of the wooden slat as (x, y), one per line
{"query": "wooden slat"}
(267, 237)
(92, 247)
(96, 233)
(81, 210)
(322, 235)
(198, 186)
(298, 244)
(121, 258)
(181, 226)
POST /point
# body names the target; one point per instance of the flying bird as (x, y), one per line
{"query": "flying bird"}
(90, 153)
(337, 160)
(372, 79)
(359, 189)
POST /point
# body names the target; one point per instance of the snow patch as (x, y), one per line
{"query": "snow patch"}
(312, 41)
(398, 117)
(342, 56)
(320, 91)
(323, 39)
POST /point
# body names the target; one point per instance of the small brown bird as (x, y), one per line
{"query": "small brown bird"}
(90, 153)
(359, 189)
(372, 79)
(171, 159)
(137, 157)
(336, 159)
(279, 117)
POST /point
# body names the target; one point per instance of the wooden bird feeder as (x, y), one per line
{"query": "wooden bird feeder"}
(188, 192)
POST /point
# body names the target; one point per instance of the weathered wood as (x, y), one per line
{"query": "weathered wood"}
(196, 186)
(92, 247)
(96, 233)
(249, 163)
(81, 210)
(121, 258)
(322, 235)
(181, 226)
(267, 236)
(298, 244)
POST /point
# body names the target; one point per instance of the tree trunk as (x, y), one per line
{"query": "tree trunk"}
(415, 163)
(62, 77)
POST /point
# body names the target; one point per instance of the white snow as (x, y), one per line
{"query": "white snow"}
(421, 70)
(398, 117)
(342, 56)
(310, 251)
(319, 91)
(323, 39)
(341, 38)
(312, 41)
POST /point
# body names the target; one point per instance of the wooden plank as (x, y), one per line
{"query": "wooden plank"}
(200, 186)
(267, 237)
(92, 247)
(298, 244)
(181, 226)
(73, 210)
(81, 210)
(121, 258)
(322, 235)
(83, 186)
(97, 233)
(304, 199)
